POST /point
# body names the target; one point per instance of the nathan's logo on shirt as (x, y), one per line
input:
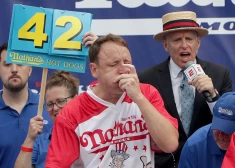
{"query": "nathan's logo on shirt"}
(225, 111)
(126, 130)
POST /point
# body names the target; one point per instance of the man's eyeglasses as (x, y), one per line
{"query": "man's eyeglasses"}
(60, 103)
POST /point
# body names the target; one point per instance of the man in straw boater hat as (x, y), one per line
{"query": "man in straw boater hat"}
(184, 100)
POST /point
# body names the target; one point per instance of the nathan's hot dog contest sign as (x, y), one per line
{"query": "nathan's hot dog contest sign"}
(48, 38)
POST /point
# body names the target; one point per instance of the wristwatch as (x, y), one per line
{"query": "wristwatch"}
(213, 99)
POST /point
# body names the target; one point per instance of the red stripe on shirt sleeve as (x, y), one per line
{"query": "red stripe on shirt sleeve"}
(156, 100)
(64, 146)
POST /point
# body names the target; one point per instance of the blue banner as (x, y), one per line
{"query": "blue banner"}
(137, 21)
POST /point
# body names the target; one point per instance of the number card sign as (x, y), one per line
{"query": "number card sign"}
(48, 38)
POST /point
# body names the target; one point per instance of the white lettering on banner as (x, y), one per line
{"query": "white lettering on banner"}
(80, 89)
(219, 25)
(129, 27)
(151, 3)
(94, 4)
(138, 3)
(215, 3)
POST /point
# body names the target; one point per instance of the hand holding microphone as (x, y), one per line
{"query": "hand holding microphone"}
(200, 81)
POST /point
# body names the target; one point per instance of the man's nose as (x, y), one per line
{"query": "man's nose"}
(14, 68)
(222, 135)
(123, 70)
(55, 107)
(184, 44)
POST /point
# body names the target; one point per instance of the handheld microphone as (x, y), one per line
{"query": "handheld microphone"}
(192, 71)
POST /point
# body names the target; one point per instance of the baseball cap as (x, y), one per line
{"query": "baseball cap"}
(224, 113)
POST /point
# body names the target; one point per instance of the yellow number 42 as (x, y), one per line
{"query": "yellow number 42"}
(38, 36)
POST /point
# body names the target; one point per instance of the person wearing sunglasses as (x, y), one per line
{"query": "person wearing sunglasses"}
(61, 87)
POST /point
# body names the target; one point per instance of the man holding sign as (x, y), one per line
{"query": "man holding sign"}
(40, 37)
(61, 87)
(18, 105)
(118, 121)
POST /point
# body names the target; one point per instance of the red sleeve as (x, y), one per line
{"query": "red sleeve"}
(229, 159)
(156, 100)
(64, 146)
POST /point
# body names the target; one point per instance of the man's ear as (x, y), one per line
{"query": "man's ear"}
(30, 70)
(94, 70)
(198, 42)
(165, 45)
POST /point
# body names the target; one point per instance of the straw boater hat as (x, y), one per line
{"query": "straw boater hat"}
(175, 21)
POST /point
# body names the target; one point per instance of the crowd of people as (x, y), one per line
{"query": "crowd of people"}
(154, 118)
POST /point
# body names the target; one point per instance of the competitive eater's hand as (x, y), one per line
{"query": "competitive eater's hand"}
(129, 82)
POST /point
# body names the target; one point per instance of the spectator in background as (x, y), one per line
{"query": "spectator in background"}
(207, 146)
(181, 39)
(112, 123)
(61, 87)
(18, 104)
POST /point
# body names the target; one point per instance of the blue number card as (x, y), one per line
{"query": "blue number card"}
(48, 38)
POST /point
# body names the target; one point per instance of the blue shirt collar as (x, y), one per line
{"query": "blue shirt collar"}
(2, 104)
(48, 135)
(214, 148)
(32, 99)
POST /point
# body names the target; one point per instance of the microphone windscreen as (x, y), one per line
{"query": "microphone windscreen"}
(188, 64)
